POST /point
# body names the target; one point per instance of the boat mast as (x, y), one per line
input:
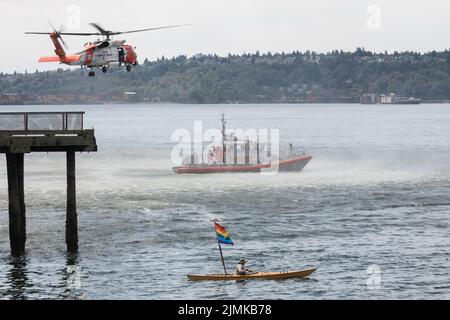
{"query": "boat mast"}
(258, 161)
(224, 147)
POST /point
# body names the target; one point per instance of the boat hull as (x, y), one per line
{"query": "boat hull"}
(408, 102)
(255, 276)
(291, 164)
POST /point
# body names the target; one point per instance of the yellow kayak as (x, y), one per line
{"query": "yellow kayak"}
(256, 275)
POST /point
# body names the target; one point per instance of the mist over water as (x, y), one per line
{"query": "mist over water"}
(375, 193)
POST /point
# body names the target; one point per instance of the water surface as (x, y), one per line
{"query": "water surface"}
(375, 194)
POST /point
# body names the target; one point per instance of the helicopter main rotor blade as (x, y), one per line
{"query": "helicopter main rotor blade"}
(150, 29)
(99, 28)
(47, 33)
(106, 32)
(69, 33)
(80, 33)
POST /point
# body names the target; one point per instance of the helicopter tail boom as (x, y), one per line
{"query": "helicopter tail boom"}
(66, 59)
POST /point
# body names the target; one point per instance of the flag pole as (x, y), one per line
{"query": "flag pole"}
(221, 255)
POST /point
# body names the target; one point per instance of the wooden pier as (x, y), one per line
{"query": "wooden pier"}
(27, 132)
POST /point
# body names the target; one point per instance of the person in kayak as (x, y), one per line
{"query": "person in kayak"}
(241, 269)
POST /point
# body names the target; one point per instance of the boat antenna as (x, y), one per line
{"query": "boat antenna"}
(224, 147)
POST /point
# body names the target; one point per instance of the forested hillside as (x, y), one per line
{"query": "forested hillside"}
(282, 77)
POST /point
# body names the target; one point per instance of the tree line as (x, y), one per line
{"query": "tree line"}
(254, 78)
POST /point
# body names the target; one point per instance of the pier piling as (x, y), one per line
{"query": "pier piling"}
(17, 219)
(71, 212)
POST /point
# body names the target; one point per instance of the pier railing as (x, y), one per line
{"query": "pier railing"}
(41, 121)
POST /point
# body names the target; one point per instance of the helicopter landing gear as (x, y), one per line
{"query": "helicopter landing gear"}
(128, 67)
(104, 69)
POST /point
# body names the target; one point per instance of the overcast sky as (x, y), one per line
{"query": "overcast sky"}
(223, 26)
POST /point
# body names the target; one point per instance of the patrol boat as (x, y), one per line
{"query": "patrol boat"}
(218, 160)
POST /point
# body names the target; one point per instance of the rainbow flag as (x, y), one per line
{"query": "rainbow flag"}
(222, 235)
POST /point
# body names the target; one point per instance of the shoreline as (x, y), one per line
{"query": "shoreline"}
(216, 103)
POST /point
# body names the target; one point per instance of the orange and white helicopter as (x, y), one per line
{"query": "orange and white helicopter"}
(99, 54)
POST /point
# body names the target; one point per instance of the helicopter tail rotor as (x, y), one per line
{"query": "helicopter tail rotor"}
(58, 33)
